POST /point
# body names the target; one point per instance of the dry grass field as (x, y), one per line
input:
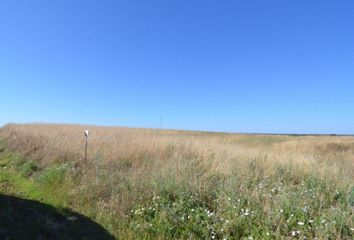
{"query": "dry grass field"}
(164, 184)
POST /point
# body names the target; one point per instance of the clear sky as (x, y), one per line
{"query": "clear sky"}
(238, 66)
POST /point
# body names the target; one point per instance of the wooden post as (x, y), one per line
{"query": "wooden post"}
(86, 137)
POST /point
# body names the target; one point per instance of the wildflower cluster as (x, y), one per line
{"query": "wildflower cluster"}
(303, 211)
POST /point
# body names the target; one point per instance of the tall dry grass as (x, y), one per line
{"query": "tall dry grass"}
(137, 148)
(127, 167)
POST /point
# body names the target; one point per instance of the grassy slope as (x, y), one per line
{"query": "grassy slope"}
(263, 202)
(36, 208)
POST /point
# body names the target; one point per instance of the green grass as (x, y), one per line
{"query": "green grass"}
(18, 180)
(246, 205)
(312, 208)
(34, 204)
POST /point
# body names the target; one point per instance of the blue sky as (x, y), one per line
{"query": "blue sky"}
(238, 66)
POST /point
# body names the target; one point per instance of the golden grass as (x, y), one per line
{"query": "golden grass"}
(128, 166)
(50, 144)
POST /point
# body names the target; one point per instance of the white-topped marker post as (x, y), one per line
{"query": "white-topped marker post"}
(86, 137)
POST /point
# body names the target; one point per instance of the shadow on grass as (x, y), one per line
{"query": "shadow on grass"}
(27, 219)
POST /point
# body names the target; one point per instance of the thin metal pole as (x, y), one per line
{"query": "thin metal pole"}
(86, 148)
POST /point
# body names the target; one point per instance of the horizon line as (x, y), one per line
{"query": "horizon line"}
(185, 130)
